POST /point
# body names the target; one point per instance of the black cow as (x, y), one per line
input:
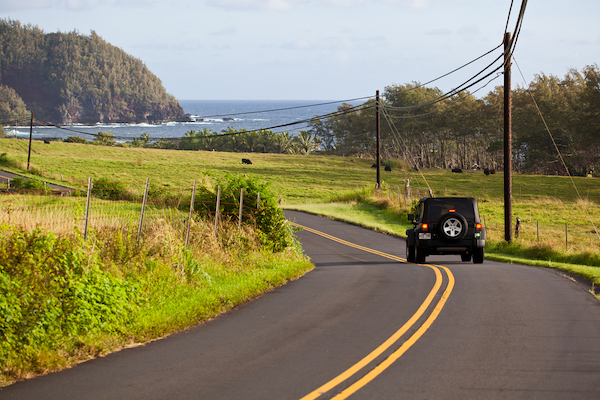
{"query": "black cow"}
(486, 171)
(456, 170)
(388, 168)
(246, 161)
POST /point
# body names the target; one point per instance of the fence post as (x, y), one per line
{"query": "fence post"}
(187, 236)
(566, 236)
(241, 207)
(87, 207)
(217, 209)
(257, 201)
(537, 222)
(143, 210)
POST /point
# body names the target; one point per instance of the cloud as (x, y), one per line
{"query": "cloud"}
(255, 5)
(69, 5)
(336, 44)
(76, 5)
(470, 31)
(438, 32)
(283, 5)
(232, 30)
(296, 45)
(16, 5)
(134, 3)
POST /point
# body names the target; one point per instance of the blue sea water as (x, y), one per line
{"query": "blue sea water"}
(214, 115)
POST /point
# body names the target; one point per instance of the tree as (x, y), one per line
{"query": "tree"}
(306, 142)
(105, 139)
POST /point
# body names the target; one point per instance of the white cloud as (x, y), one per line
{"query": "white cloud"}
(76, 5)
(225, 31)
(470, 31)
(438, 32)
(15, 5)
(255, 5)
(134, 3)
(296, 45)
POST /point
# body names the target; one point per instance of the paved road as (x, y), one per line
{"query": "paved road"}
(5, 176)
(450, 330)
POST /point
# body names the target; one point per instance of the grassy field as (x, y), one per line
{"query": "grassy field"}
(555, 215)
(296, 178)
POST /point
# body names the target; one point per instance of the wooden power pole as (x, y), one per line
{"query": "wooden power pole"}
(30, 138)
(378, 130)
(507, 142)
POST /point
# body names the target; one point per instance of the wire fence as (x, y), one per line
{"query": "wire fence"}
(106, 205)
(116, 205)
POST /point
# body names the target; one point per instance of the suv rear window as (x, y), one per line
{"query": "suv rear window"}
(437, 208)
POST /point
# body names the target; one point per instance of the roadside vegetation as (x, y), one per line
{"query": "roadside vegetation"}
(64, 299)
(135, 293)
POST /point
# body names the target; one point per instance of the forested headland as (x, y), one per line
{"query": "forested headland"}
(73, 78)
(465, 131)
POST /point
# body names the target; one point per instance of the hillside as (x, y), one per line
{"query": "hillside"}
(72, 78)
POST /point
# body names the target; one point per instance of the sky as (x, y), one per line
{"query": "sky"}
(324, 49)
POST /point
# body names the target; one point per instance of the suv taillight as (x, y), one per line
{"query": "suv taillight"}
(424, 227)
(478, 227)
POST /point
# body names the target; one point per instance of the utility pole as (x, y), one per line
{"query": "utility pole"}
(507, 142)
(378, 130)
(30, 137)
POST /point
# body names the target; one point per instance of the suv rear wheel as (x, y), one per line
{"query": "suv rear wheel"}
(420, 256)
(453, 227)
(478, 255)
(410, 253)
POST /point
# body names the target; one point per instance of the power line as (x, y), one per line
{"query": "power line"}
(286, 108)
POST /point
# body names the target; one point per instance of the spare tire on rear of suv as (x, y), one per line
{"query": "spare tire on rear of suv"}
(452, 227)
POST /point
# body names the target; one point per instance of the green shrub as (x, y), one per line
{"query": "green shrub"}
(270, 219)
(52, 291)
(20, 183)
(76, 139)
(107, 189)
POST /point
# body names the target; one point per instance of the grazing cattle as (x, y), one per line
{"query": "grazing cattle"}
(492, 171)
(47, 141)
(456, 170)
(486, 171)
(246, 161)
(388, 168)
(374, 166)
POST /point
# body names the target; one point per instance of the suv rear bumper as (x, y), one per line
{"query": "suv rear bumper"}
(432, 246)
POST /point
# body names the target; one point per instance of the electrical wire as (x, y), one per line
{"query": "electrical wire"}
(508, 18)
(286, 108)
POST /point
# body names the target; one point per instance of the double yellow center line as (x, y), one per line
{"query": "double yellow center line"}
(377, 370)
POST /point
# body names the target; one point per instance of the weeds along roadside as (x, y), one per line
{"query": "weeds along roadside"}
(64, 300)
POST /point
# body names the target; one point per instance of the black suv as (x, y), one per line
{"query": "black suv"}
(446, 225)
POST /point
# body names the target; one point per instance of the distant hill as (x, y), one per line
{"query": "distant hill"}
(72, 78)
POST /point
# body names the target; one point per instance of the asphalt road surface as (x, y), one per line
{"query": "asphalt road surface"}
(365, 325)
(5, 176)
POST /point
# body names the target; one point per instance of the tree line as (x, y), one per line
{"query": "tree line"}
(468, 132)
(260, 141)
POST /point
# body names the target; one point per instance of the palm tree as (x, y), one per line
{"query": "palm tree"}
(306, 142)
(105, 138)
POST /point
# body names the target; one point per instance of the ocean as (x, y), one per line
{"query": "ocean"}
(214, 115)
